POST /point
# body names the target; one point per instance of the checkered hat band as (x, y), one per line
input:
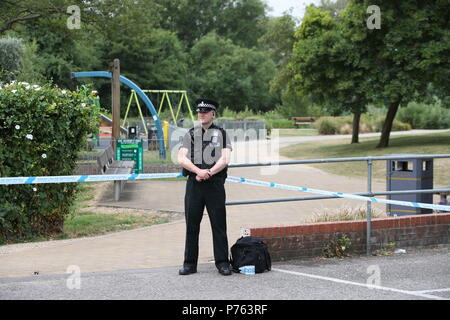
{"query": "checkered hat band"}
(206, 105)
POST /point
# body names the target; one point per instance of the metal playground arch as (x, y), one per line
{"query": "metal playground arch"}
(140, 93)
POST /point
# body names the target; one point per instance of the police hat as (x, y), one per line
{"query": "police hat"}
(206, 105)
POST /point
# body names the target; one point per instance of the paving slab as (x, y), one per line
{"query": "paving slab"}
(163, 245)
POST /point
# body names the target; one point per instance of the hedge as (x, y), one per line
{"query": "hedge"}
(42, 128)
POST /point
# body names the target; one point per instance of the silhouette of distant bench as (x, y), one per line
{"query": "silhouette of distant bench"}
(303, 120)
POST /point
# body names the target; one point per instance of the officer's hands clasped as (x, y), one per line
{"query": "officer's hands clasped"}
(204, 174)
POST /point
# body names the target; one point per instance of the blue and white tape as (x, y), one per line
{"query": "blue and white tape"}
(336, 194)
(87, 178)
(146, 176)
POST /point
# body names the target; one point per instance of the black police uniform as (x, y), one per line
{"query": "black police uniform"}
(205, 148)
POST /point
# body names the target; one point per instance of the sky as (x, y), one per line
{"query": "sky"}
(279, 6)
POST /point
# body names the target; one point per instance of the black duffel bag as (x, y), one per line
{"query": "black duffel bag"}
(250, 251)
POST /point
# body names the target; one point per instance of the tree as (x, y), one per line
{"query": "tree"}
(152, 57)
(13, 13)
(408, 52)
(237, 77)
(326, 66)
(11, 56)
(242, 21)
(60, 50)
(278, 38)
(335, 7)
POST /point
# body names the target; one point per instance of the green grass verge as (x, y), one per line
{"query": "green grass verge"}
(84, 222)
(297, 132)
(152, 157)
(87, 223)
(413, 144)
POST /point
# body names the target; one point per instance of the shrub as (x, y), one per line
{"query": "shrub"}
(345, 214)
(42, 128)
(11, 54)
(279, 123)
(337, 247)
(346, 129)
(374, 123)
(425, 116)
(368, 123)
(398, 125)
(327, 125)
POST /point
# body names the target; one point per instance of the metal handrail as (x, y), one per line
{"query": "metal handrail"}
(328, 160)
(366, 194)
(369, 192)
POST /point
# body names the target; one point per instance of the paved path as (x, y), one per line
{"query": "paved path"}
(163, 245)
(421, 275)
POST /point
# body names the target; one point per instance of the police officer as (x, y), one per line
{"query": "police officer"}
(204, 155)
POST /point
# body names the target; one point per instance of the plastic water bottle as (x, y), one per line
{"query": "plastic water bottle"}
(247, 269)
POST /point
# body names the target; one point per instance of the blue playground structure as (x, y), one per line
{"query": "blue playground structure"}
(141, 94)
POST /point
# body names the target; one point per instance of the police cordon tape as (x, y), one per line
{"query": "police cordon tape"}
(146, 176)
(336, 194)
(87, 178)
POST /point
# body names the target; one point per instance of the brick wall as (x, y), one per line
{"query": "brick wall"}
(308, 240)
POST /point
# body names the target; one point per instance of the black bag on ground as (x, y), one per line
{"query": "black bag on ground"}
(250, 251)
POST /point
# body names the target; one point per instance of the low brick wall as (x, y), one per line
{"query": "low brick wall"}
(308, 240)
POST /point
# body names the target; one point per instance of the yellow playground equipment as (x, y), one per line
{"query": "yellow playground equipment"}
(165, 97)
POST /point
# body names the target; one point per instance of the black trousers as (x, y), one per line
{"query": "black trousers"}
(209, 193)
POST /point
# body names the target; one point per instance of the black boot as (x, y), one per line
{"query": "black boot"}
(224, 270)
(185, 271)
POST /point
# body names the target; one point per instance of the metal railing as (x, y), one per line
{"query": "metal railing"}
(369, 192)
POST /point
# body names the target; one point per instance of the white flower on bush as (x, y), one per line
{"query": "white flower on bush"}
(34, 189)
(37, 89)
(44, 156)
(63, 91)
(29, 136)
(24, 83)
(14, 91)
(83, 105)
(17, 127)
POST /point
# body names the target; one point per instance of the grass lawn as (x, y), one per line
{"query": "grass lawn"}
(297, 132)
(414, 144)
(87, 222)
(152, 157)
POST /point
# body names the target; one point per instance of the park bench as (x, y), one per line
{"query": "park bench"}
(108, 165)
(303, 120)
